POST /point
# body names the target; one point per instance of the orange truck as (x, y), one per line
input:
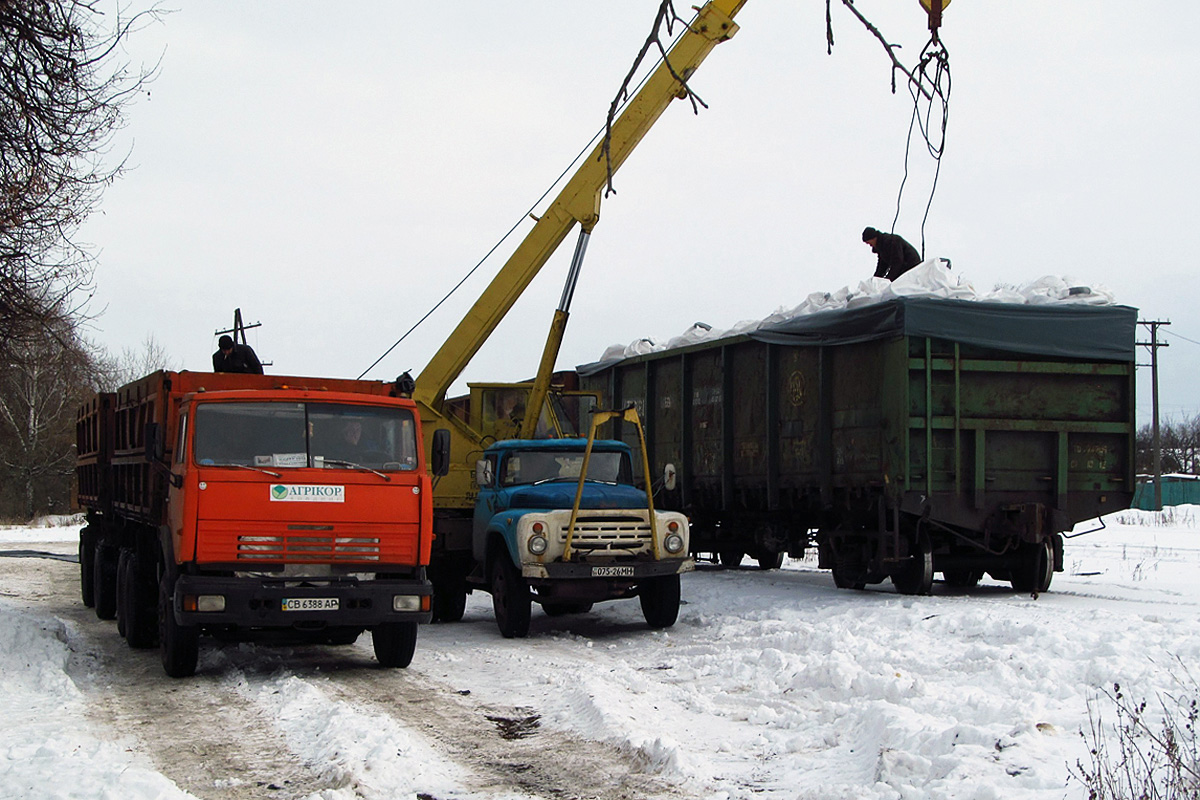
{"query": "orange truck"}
(257, 508)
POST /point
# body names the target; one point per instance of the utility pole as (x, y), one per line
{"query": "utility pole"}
(239, 331)
(239, 328)
(1156, 443)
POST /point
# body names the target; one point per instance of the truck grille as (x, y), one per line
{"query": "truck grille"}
(294, 547)
(605, 534)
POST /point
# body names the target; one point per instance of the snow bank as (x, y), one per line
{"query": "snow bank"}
(48, 748)
(931, 278)
(62, 528)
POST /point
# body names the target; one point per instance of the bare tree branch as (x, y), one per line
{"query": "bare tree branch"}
(62, 92)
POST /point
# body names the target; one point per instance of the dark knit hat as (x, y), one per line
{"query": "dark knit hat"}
(224, 343)
(869, 234)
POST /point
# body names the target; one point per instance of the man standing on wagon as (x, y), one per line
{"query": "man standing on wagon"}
(896, 256)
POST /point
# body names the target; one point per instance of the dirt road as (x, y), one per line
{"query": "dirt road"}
(218, 735)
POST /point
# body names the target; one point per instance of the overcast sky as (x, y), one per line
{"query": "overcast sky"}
(333, 170)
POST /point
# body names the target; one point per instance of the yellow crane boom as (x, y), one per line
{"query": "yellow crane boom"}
(578, 202)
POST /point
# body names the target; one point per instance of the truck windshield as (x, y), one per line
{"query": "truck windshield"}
(535, 466)
(272, 435)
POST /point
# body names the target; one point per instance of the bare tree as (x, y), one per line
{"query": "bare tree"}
(62, 91)
(132, 364)
(42, 384)
(1180, 444)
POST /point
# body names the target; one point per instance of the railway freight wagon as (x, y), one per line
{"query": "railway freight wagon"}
(903, 439)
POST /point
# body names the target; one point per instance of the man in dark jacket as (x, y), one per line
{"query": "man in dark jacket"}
(896, 256)
(232, 357)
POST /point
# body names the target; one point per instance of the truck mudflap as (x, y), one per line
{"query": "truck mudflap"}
(278, 603)
(620, 570)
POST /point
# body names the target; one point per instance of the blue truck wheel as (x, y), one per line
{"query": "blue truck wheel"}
(510, 599)
(660, 601)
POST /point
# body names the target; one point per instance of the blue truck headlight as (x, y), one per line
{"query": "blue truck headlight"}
(673, 543)
(537, 544)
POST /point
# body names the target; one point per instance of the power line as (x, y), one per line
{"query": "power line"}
(529, 213)
(1175, 335)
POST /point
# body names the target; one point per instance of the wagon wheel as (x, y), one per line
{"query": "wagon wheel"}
(916, 576)
(1036, 567)
(963, 578)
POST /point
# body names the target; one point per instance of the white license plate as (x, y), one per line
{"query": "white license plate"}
(310, 604)
(612, 572)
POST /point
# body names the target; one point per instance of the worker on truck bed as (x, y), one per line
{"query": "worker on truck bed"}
(232, 357)
(896, 256)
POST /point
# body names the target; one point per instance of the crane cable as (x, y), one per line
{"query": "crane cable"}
(936, 56)
(616, 106)
(930, 90)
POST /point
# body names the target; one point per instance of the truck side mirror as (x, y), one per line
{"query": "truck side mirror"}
(153, 440)
(483, 473)
(441, 452)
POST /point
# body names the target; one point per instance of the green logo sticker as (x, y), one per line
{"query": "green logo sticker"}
(279, 491)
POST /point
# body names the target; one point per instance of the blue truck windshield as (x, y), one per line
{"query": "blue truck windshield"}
(273, 435)
(536, 466)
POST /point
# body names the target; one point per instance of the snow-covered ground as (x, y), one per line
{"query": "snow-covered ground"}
(771, 685)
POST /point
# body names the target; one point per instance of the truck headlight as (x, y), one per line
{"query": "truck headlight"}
(406, 602)
(537, 544)
(673, 543)
(205, 603)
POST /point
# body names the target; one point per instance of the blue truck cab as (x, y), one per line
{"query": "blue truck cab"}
(542, 533)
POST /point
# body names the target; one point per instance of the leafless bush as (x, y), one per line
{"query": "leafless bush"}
(1169, 517)
(1149, 753)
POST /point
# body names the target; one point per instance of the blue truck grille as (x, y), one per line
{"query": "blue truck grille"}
(608, 533)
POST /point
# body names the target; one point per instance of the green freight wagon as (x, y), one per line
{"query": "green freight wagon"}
(904, 438)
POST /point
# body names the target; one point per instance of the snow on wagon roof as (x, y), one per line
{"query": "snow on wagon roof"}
(1050, 316)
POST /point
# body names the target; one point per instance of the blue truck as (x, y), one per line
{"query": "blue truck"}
(561, 523)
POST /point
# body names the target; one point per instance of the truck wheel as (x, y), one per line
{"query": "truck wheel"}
(730, 558)
(660, 601)
(140, 609)
(510, 599)
(87, 564)
(395, 643)
(179, 645)
(843, 580)
(1036, 568)
(449, 600)
(122, 569)
(768, 561)
(916, 577)
(104, 581)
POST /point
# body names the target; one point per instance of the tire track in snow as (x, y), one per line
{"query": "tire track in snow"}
(381, 720)
(203, 734)
(197, 732)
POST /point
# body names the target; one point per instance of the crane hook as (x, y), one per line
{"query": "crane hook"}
(935, 7)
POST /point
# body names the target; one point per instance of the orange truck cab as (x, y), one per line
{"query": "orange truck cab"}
(260, 508)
